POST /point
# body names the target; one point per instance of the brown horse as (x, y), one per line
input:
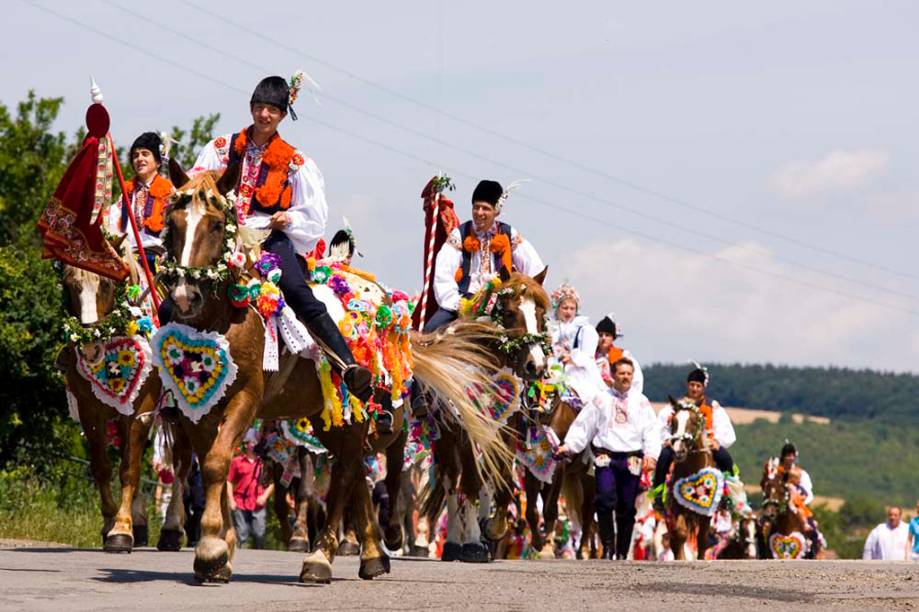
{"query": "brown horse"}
(782, 527)
(90, 298)
(688, 529)
(743, 541)
(520, 310)
(197, 230)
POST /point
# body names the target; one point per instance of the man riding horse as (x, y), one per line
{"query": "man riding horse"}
(282, 191)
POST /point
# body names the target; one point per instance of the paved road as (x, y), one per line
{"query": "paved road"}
(41, 577)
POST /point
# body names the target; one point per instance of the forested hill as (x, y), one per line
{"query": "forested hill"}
(837, 393)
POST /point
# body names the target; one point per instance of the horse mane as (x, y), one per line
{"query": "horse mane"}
(531, 288)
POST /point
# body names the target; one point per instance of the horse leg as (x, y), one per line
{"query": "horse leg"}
(395, 458)
(374, 562)
(531, 487)
(174, 522)
(350, 544)
(120, 537)
(92, 417)
(279, 502)
(474, 551)
(702, 537)
(453, 546)
(300, 538)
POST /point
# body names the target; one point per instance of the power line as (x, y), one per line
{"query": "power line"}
(555, 156)
(420, 134)
(457, 172)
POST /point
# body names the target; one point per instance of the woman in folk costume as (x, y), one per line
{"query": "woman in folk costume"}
(282, 190)
(148, 193)
(608, 353)
(574, 345)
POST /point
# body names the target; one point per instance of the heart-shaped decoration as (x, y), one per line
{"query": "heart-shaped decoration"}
(791, 546)
(117, 377)
(700, 492)
(537, 454)
(300, 432)
(196, 366)
(501, 400)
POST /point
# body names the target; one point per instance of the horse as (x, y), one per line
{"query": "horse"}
(200, 235)
(782, 526)
(91, 300)
(519, 309)
(743, 542)
(687, 527)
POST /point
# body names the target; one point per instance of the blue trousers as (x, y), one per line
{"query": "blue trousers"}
(617, 489)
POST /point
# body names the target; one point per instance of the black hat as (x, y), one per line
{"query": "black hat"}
(698, 374)
(150, 141)
(608, 326)
(488, 191)
(341, 238)
(788, 449)
(272, 90)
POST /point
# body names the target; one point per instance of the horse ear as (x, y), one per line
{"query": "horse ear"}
(541, 277)
(672, 401)
(176, 175)
(504, 274)
(227, 182)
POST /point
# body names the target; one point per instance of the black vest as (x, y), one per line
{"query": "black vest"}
(466, 230)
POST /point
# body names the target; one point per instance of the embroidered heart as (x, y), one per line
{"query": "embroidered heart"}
(700, 492)
(300, 432)
(791, 546)
(116, 379)
(195, 365)
(501, 400)
(537, 455)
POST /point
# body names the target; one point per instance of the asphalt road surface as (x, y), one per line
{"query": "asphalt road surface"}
(45, 577)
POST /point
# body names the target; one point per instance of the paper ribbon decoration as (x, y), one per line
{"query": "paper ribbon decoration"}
(73, 408)
(117, 378)
(700, 492)
(196, 366)
(791, 546)
(537, 454)
(300, 432)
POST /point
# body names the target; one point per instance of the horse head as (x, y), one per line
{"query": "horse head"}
(686, 426)
(521, 308)
(775, 489)
(200, 226)
(746, 533)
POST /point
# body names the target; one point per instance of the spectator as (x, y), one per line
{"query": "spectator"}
(914, 536)
(248, 495)
(888, 541)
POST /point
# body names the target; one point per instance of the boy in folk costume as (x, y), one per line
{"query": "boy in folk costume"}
(148, 192)
(282, 190)
(476, 251)
(718, 430)
(608, 353)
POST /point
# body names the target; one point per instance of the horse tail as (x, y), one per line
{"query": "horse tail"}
(449, 363)
(432, 500)
(573, 494)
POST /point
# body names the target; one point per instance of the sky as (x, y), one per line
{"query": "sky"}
(734, 181)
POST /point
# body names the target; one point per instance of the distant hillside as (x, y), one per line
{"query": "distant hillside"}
(836, 393)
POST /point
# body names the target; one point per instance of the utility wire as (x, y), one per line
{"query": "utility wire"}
(551, 155)
(421, 134)
(430, 163)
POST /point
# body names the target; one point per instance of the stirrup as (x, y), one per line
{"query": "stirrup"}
(359, 381)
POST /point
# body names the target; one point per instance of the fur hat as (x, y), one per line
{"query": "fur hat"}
(607, 325)
(488, 191)
(698, 374)
(788, 449)
(273, 90)
(150, 141)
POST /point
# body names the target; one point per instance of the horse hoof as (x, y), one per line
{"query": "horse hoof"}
(495, 530)
(118, 543)
(452, 552)
(140, 536)
(221, 575)
(301, 545)
(316, 569)
(348, 549)
(393, 538)
(474, 552)
(371, 568)
(170, 540)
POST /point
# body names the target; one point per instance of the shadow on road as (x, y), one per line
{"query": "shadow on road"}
(127, 576)
(727, 590)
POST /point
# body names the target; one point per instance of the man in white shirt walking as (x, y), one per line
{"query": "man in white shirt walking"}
(624, 437)
(888, 541)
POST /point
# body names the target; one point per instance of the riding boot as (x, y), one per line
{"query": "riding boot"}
(624, 526)
(356, 377)
(605, 527)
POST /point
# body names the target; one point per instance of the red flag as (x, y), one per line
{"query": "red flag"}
(71, 224)
(439, 221)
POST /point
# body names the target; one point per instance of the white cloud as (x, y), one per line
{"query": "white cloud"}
(839, 171)
(673, 306)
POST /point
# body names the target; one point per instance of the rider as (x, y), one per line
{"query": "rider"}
(789, 459)
(574, 345)
(476, 251)
(625, 441)
(282, 190)
(718, 430)
(804, 494)
(148, 193)
(608, 353)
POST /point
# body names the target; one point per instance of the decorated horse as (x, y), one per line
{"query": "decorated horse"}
(742, 542)
(783, 525)
(696, 485)
(215, 360)
(516, 305)
(107, 368)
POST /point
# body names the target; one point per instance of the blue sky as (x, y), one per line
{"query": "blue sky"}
(792, 124)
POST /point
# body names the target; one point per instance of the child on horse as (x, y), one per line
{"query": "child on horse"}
(608, 353)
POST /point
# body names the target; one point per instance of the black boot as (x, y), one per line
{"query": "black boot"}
(356, 377)
(605, 527)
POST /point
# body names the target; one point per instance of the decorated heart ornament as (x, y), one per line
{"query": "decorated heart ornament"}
(700, 492)
(501, 400)
(791, 546)
(117, 377)
(300, 432)
(196, 366)
(537, 454)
